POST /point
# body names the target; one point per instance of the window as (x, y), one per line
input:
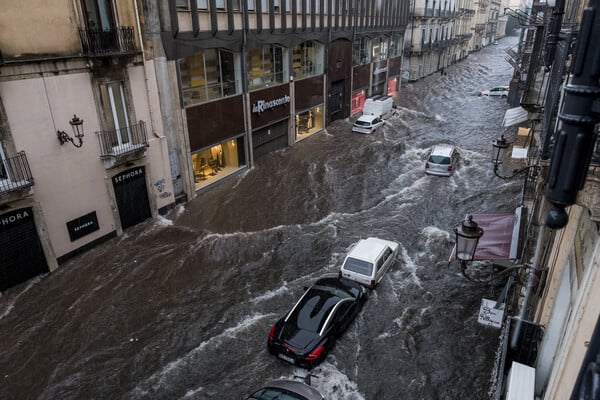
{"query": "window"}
(396, 45)
(361, 53)
(308, 59)
(3, 165)
(98, 14)
(209, 75)
(358, 266)
(267, 66)
(183, 4)
(114, 109)
(380, 48)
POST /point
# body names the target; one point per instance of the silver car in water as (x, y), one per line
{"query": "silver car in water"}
(442, 160)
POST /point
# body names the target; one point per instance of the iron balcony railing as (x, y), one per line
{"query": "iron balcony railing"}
(15, 173)
(107, 42)
(120, 142)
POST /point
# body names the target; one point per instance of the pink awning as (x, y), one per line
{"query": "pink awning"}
(500, 236)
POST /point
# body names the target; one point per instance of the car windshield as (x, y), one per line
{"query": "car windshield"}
(362, 123)
(358, 266)
(275, 394)
(314, 308)
(439, 159)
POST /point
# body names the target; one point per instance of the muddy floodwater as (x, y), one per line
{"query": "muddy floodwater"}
(180, 306)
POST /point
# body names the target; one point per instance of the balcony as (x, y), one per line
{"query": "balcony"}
(15, 174)
(121, 145)
(116, 41)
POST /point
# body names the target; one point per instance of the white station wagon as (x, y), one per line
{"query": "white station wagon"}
(368, 260)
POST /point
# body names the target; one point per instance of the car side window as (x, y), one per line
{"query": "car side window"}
(387, 253)
(380, 262)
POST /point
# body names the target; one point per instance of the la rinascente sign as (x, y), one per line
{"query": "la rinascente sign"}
(265, 105)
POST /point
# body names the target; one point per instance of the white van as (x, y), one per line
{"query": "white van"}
(378, 106)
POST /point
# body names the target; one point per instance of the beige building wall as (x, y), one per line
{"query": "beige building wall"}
(576, 255)
(45, 80)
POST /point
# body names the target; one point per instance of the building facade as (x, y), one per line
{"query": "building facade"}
(250, 77)
(82, 151)
(438, 35)
(550, 338)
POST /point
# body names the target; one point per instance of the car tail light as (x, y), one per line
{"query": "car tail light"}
(315, 354)
(271, 334)
(426, 165)
(449, 168)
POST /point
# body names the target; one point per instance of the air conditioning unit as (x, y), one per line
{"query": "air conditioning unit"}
(521, 382)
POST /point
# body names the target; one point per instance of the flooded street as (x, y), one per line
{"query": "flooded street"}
(180, 307)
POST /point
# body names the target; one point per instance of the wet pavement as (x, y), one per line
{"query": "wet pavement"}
(180, 307)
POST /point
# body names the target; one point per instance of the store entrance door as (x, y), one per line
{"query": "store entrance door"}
(335, 100)
(132, 196)
(21, 253)
(269, 139)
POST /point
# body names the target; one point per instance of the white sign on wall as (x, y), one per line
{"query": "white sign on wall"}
(489, 314)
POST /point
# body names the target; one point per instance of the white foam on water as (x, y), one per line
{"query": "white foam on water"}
(163, 377)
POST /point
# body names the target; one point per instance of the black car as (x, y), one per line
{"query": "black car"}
(305, 335)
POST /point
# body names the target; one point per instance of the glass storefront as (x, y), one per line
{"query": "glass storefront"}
(309, 122)
(218, 161)
(392, 85)
(358, 101)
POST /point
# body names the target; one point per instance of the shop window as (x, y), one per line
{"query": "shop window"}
(361, 53)
(210, 75)
(309, 122)
(358, 101)
(307, 59)
(266, 67)
(380, 48)
(218, 161)
(391, 87)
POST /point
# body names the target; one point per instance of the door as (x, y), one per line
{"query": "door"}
(269, 139)
(335, 100)
(132, 196)
(21, 253)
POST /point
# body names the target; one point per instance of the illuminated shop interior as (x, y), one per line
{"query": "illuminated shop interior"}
(309, 122)
(218, 161)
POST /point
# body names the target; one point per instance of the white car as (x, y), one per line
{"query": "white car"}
(501, 91)
(366, 124)
(368, 260)
(442, 160)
